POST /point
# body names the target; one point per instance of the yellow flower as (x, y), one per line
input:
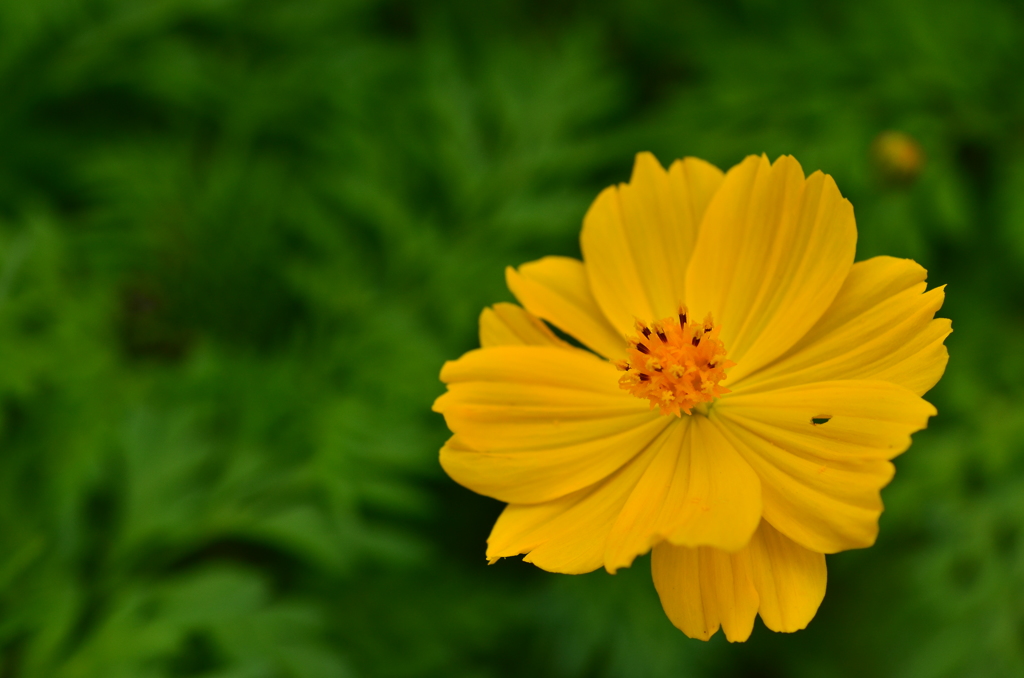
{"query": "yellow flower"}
(745, 388)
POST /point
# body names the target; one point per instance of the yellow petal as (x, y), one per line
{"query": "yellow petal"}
(510, 325)
(636, 528)
(638, 237)
(556, 289)
(524, 475)
(567, 535)
(772, 252)
(880, 326)
(820, 481)
(698, 491)
(925, 362)
(790, 580)
(565, 368)
(536, 423)
(704, 588)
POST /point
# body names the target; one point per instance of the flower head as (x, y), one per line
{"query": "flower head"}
(740, 447)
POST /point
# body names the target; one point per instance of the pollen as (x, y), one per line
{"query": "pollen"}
(675, 364)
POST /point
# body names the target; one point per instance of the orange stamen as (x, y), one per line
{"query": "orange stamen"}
(675, 364)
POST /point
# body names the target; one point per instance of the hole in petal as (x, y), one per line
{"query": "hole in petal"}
(820, 419)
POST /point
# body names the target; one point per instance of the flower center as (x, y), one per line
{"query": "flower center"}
(675, 364)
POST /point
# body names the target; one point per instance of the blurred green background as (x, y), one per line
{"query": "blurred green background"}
(239, 237)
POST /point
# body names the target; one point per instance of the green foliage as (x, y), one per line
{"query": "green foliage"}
(238, 239)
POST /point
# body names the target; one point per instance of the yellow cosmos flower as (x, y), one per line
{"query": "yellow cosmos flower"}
(745, 388)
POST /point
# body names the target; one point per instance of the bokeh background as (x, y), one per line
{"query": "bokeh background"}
(238, 238)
